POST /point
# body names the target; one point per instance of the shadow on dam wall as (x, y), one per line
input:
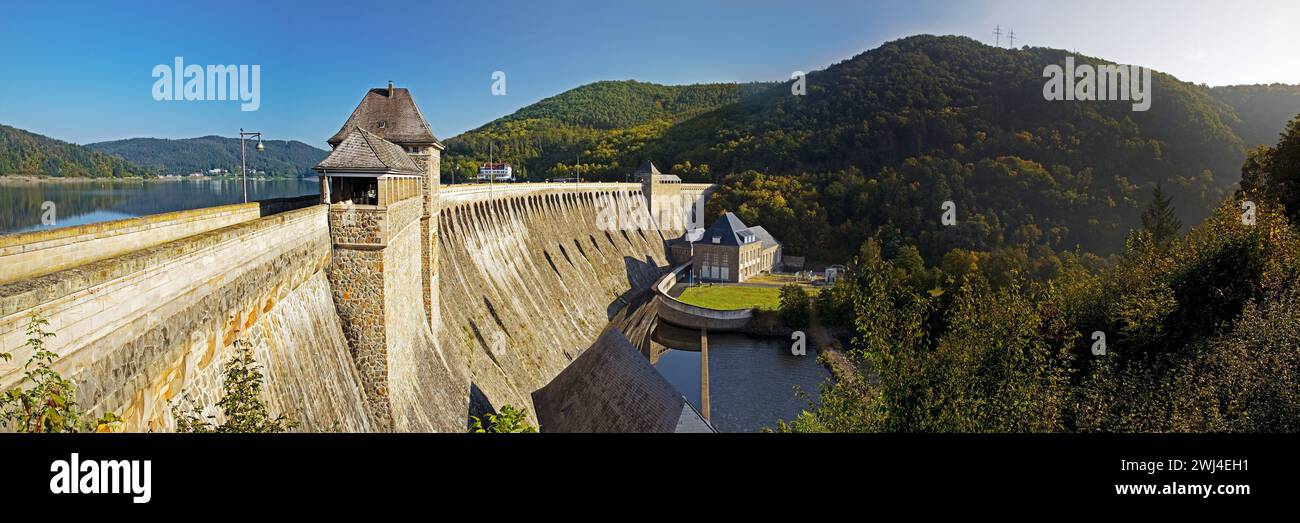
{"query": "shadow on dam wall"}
(527, 283)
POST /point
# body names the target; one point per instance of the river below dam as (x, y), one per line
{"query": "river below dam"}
(78, 202)
(753, 381)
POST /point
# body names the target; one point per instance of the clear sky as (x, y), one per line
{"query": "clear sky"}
(81, 71)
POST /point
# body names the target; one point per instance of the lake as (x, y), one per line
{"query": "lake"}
(90, 201)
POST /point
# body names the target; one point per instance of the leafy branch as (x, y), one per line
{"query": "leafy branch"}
(241, 402)
(43, 400)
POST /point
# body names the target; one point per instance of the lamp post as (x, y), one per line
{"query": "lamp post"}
(691, 238)
(243, 155)
(692, 280)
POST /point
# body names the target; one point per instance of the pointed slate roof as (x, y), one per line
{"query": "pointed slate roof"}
(363, 151)
(391, 114)
(648, 168)
(730, 229)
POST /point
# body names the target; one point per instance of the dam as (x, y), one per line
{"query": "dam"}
(385, 303)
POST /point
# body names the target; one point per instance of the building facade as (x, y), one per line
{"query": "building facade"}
(729, 251)
(500, 172)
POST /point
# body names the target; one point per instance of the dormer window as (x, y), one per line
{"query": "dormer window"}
(383, 124)
(717, 239)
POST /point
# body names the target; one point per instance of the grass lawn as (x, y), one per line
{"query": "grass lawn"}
(725, 297)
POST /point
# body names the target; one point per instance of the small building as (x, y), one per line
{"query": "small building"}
(834, 272)
(794, 263)
(730, 251)
(648, 173)
(365, 170)
(496, 171)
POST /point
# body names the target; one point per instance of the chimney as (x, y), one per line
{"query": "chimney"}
(390, 88)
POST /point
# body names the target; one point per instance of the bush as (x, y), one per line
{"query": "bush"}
(241, 402)
(509, 420)
(43, 400)
(795, 306)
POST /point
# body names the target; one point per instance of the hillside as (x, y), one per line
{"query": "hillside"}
(180, 157)
(544, 139)
(882, 139)
(889, 135)
(1263, 110)
(26, 153)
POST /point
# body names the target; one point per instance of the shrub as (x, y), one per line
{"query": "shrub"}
(508, 420)
(794, 306)
(43, 400)
(241, 402)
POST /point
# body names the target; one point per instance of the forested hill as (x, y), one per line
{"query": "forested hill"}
(881, 140)
(613, 105)
(1264, 110)
(184, 156)
(955, 97)
(602, 119)
(26, 153)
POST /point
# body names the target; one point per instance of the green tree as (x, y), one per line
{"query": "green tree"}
(241, 401)
(508, 420)
(1284, 166)
(1255, 171)
(795, 306)
(1160, 220)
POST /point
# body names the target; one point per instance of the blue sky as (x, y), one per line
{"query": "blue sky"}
(81, 71)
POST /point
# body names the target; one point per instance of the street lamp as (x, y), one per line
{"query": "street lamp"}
(692, 236)
(243, 154)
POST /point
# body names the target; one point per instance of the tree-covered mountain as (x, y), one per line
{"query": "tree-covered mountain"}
(26, 153)
(883, 139)
(880, 141)
(606, 118)
(1263, 110)
(181, 157)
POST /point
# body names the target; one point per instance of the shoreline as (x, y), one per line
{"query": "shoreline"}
(31, 178)
(28, 179)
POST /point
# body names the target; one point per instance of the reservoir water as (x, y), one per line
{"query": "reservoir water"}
(90, 201)
(753, 382)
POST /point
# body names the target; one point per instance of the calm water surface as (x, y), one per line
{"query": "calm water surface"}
(753, 382)
(82, 202)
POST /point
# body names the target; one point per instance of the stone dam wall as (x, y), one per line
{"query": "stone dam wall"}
(139, 331)
(147, 311)
(529, 281)
(41, 252)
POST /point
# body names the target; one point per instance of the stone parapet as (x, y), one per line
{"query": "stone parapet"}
(26, 255)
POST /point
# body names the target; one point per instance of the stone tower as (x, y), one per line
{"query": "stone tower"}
(381, 182)
(662, 193)
(391, 114)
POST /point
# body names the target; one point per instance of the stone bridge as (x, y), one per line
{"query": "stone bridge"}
(356, 331)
